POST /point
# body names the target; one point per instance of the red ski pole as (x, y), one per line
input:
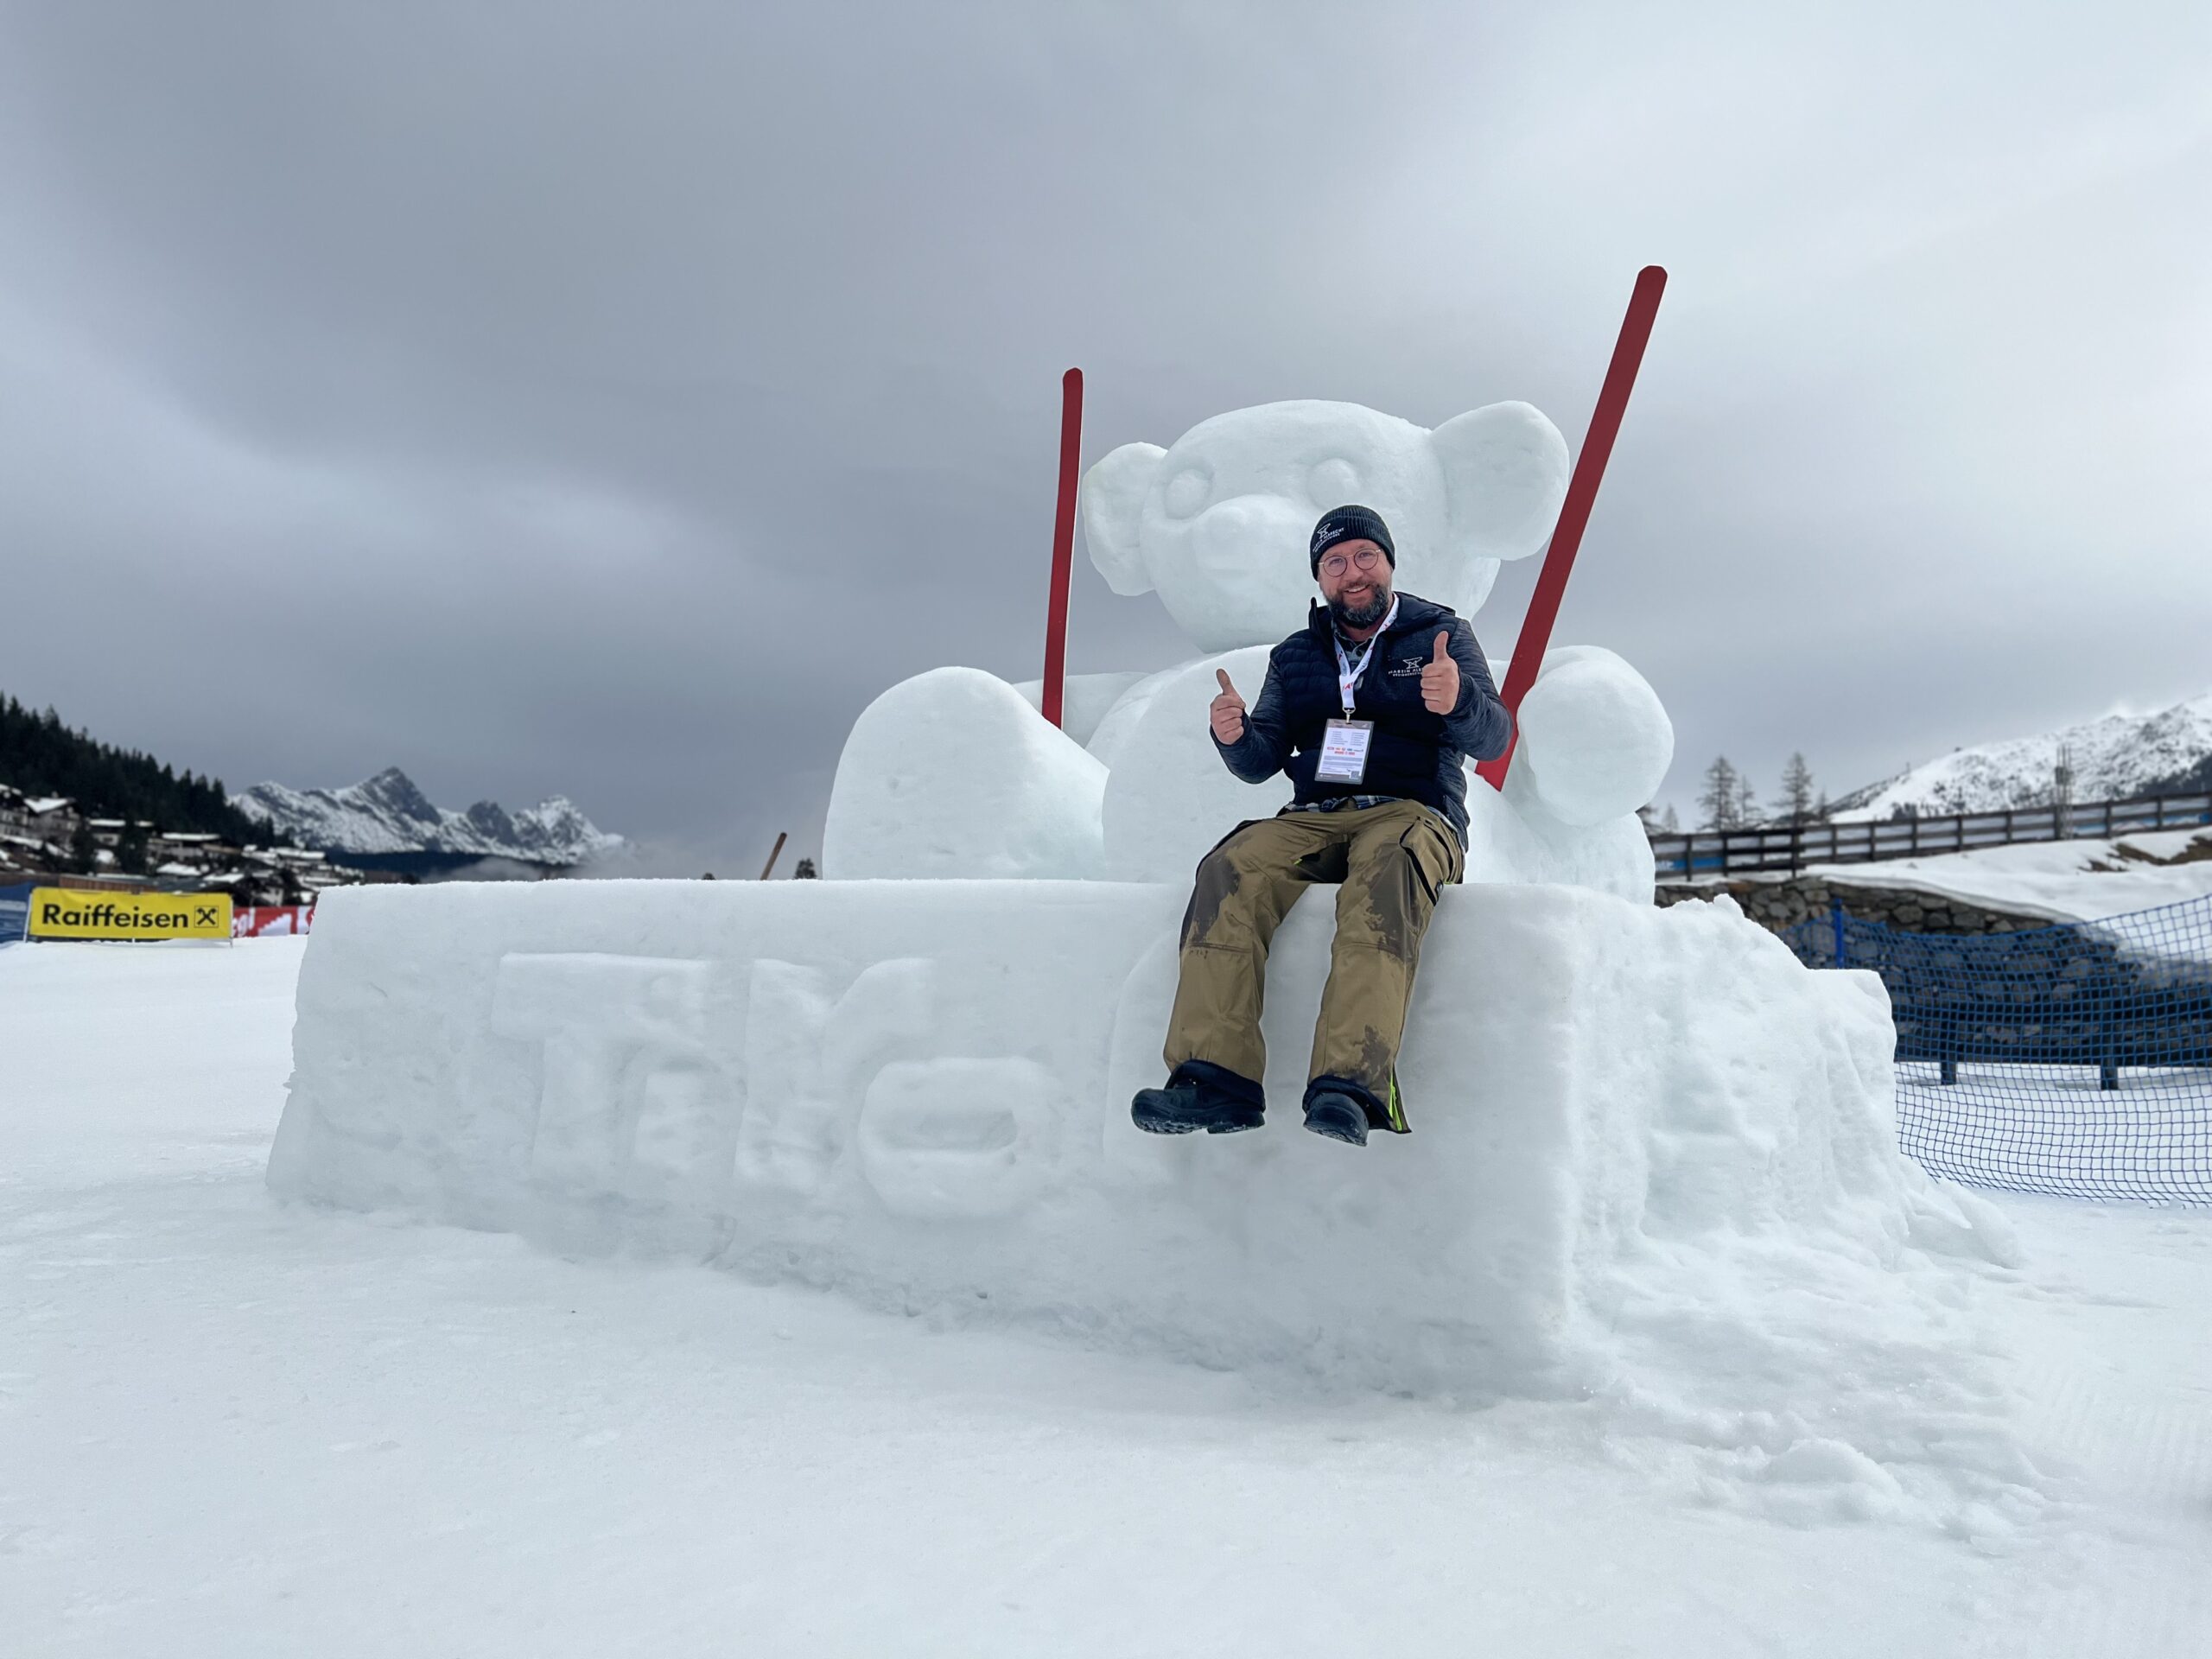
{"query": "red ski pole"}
(1056, 606)
(1574, 513)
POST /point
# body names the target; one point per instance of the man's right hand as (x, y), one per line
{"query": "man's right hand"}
(1227, 711)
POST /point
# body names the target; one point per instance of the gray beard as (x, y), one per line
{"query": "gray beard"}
(1366, 617)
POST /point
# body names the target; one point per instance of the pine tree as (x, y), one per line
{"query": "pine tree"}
(1723, 790)
(1671, 823)
(1747, 803)
(1795, 803)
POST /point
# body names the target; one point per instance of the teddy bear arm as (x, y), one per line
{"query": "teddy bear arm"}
(1594, 737)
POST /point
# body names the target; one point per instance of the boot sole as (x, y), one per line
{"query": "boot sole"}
(1163, 1125)
(1352, 1135)
(1172, 1126)
(1156, 1122)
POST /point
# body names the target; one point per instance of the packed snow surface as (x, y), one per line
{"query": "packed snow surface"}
(231, 1426)
(2114, 757)
(387, 814)
(1028, 805)
(1653, 1160)
(2064, 881)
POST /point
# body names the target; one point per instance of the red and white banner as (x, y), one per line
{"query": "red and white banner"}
(265, 921)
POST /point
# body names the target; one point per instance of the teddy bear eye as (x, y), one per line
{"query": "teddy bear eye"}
(1187, 491)
(1332, 482)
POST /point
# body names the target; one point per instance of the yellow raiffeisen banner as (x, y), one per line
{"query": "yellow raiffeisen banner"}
(82, 914)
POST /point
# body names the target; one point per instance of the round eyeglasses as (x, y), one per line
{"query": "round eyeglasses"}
(1336, 563)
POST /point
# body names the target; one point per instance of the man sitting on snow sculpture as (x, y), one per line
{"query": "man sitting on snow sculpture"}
(1370, 708)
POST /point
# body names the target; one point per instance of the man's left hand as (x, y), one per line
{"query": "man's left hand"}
(1439, 679)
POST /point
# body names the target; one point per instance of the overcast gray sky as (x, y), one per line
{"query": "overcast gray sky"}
(612, 399)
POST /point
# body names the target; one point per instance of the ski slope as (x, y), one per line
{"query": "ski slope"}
(232, 1426)
(2065, 881)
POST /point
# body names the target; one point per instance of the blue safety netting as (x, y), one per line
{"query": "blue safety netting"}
(2073, 1059)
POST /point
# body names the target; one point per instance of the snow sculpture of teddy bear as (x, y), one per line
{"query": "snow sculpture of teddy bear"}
(954, 774)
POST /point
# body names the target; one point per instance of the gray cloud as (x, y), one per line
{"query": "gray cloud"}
(613, 400)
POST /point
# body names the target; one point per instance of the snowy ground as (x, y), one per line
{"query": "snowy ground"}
(2066, 880)
(232, 1426)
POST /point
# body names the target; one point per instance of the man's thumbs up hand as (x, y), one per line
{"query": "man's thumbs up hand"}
(1227, 714)
(1439, 679)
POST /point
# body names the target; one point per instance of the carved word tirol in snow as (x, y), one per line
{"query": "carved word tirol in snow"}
(635, 1074)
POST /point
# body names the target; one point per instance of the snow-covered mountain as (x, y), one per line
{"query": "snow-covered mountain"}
(2114, 757)
(387, 815)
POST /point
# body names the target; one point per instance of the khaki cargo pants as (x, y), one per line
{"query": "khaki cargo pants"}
(1391, 862)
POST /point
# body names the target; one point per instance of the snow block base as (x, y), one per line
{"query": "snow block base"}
(1653, 1164)
(918, 1092)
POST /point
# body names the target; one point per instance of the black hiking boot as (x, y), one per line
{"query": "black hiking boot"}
(1338, 1116)
(1200, 1095)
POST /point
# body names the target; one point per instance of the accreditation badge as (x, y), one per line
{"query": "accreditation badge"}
(1343, 752)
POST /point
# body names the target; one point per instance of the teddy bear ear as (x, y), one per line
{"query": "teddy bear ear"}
(1111, 502)
(1505, 470)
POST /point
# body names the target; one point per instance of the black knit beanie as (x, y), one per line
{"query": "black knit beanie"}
(1350, 524)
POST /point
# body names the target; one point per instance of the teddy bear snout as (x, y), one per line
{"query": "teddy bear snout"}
(1248, 533)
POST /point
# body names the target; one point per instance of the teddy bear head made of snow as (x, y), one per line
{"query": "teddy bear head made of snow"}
(1218, 523)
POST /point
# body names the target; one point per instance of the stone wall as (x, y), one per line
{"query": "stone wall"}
(1778, 902)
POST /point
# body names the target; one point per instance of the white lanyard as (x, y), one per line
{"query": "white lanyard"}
(1348, 672)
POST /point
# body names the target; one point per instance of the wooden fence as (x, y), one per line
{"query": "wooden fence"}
(1706, 854)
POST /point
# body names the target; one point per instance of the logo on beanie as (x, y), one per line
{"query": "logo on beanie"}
(1328, 533)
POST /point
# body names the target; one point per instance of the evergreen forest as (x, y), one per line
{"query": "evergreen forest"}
(41, 756)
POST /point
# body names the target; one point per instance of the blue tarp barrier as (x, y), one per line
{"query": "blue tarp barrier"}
(15, 913)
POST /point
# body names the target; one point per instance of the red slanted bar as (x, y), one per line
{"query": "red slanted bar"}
(1574, 511)
(1056, 606)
